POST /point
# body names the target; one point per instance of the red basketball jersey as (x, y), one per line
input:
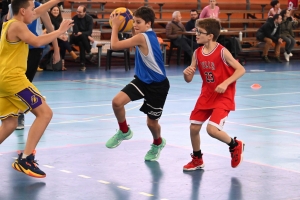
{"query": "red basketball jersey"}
(214, 70)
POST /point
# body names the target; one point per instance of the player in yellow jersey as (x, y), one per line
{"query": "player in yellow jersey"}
(17, 93)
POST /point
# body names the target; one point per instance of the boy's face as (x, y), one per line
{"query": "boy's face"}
(28, 13)
(202, 36)
(139, 25)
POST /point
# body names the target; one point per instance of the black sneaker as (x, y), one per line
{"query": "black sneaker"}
(266, 59)
(82, 67)
(278, 59)
(21, 120)
(28, 166)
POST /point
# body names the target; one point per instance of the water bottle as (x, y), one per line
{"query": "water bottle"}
(241, 36)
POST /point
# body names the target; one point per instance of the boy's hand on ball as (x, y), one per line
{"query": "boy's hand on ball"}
(115, 20)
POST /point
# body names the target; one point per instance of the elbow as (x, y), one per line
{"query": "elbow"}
(114, 47)
(243, 71)
(37, 44)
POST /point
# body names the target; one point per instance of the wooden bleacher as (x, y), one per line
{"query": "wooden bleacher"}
(243, 15)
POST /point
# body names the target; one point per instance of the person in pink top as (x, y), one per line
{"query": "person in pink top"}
(210, 11)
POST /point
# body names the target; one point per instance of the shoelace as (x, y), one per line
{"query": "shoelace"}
(35, 164)
(154, 149)
(194, 159)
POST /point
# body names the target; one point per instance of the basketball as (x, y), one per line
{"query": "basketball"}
(128, 22)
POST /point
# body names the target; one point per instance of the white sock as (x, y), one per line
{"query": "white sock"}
(24, 156)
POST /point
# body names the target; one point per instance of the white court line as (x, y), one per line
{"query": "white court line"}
(274, 94)
(261, 127)
(271, 129)
(176, 114)
(146, 194)
(104, 182)
(175, 100)
(48, 166)
(83, 176)
(65, 171)
(271, 107)
(124, 188)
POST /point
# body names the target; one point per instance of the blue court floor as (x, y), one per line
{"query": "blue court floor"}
(78, 165)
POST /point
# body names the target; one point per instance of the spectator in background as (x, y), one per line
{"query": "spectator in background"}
(286, 32)
(269, 32)
(82, 29)
(210, 11)
(275, 9)
(63, 43)
(4, 12)
(173, 30)
(190, 25)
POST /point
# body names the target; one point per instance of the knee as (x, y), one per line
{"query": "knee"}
(195, 129)
(48, 114)
(212, 130)
(269, 42)
(152, 123)
(116, 103)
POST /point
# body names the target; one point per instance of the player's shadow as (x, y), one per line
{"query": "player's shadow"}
(156, 174)
(235, 191)
(196, 180)
(31, 191)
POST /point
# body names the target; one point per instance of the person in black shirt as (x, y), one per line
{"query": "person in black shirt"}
(190, 25)
(82, 29)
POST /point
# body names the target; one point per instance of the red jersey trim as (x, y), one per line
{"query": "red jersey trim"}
(223, 57)
(204, 54)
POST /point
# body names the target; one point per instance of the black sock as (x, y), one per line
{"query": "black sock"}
(197, 154)
(232, 144)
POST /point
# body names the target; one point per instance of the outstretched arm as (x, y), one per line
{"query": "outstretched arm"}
(49, 27)
(19, 31)
(189, 72)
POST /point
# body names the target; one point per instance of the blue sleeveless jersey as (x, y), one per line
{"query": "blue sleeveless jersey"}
(150, 68)
(36, 26)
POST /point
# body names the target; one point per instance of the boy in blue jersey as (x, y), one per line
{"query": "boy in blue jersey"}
(150, 83)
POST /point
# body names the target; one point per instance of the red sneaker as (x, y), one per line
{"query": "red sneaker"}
(196, 163)
(237, 153)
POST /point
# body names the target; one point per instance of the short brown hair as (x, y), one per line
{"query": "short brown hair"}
(16, 5)
(146, 13)
(212, 26)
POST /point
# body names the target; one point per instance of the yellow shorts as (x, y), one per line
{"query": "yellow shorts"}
(22, 102)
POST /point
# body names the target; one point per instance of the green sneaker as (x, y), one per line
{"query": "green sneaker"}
(154, 152)
(118, 138)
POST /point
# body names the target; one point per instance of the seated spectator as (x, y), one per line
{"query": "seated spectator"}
(269, 32)
(190, 25)
(275, 8)
(82, 29)
(210, 11)
(286, 32)
(63, 43)
(173, 30)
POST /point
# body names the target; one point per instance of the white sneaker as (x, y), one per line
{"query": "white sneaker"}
(290, 54)
(287, 57)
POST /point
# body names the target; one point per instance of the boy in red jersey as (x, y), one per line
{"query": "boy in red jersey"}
(219, 72)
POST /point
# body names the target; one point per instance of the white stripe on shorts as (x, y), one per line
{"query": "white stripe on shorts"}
(138, 89)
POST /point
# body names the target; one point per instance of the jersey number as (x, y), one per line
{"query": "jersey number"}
(209, 77)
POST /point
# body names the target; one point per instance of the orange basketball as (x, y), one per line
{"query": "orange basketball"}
(128, 22)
